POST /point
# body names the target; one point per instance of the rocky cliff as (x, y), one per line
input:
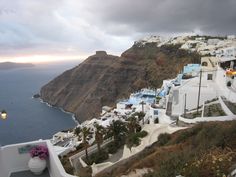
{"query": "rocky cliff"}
(102, 79)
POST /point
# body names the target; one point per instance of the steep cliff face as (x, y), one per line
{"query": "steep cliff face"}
(102, 79)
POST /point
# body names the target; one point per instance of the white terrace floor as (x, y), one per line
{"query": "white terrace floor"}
(29, 174)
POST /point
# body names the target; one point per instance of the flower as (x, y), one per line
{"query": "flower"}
(39, 151)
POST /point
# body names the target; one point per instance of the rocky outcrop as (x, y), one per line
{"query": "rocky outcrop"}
(102, 79)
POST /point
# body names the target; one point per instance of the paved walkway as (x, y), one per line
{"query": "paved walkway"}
(115, 157)
(154, 131)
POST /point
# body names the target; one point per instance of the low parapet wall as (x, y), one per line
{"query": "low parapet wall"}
(207, 119)
(55, 167)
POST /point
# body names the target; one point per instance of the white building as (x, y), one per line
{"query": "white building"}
(231, 37)
(213, 41)
(179, 40)
(229, 52)
(160, 40)
(189, 89)
(214, 83)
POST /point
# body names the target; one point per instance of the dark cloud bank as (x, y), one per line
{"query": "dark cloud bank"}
(79, 26)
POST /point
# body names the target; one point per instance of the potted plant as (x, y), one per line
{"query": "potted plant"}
(37, 163)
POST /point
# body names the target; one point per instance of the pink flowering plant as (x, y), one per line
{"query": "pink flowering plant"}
(39, 151)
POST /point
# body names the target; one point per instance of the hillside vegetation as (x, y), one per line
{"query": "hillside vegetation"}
(205, 150)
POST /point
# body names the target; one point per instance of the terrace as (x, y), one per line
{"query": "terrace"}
(14, 161)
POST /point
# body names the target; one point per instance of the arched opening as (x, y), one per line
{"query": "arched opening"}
(204, 63)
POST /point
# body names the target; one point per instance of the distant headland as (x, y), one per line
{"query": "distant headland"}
(13, 65)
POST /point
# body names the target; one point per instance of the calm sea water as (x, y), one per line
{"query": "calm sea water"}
(28, 118)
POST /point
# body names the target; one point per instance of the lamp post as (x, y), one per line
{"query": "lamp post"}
(3, 114)
(142, 103)
(199, 91)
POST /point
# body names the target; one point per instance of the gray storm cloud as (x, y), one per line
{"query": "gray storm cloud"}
(59, 26)
(211, 16)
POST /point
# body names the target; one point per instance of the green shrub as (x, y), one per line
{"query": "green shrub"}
(163, 138)
(197, 114)
(171, 166)
(158, 98)
(214, 110)
(210, 136)
(183, 136)
(112, 148)
(138, 128)
(193, 115)
(215, 163)
(80, 147)
(132, 140)
(139, 114)
(142, 134)
(98, 157)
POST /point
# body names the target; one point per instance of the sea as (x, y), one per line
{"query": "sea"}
(29, 118)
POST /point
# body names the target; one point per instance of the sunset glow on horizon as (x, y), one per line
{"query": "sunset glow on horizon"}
(42, 58)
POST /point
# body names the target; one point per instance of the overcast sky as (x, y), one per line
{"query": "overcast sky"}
(53, 29)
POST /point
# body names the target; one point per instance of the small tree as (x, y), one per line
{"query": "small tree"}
(132, 140)
(163, 138)
(77, 131)
(99, 136)
(86, 132)
(118, 130)
(133, 124)
(142, 103)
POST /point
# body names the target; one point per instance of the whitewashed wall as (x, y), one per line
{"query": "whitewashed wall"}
(55, 167)
(3, 172)
(191, 88)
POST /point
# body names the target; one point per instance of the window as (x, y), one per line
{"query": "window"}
(155, 112)
(209, 76)
(204, 63)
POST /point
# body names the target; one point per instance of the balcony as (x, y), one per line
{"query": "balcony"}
(14, 161)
